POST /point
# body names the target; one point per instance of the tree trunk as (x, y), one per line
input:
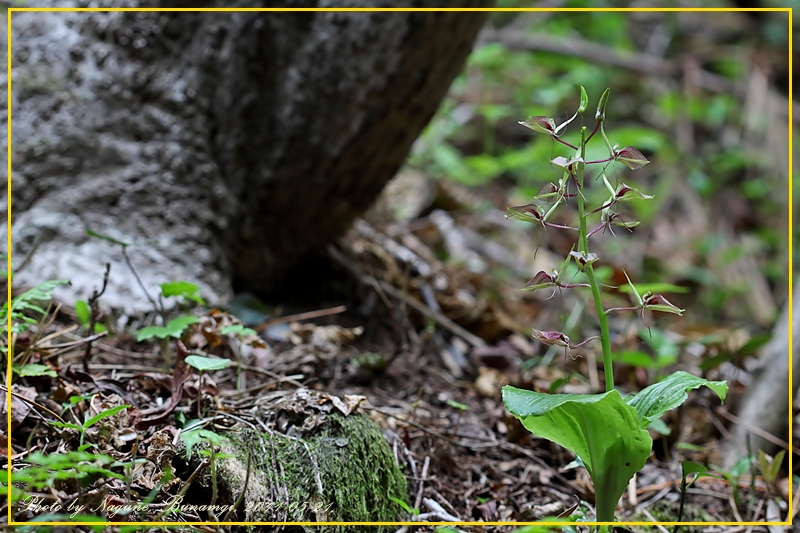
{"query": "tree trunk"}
(765, 404)
(239, 142)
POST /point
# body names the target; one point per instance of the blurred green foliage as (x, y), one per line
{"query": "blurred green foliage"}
(696, 138)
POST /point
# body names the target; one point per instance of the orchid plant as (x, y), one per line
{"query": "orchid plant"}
(606, 431)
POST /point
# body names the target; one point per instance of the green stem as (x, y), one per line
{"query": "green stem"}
(605, 338)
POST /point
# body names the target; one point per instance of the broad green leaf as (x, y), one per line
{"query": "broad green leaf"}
(152, 332)
(82, 310)
(174, 329)
(35, 370)
(653, 401)
(187, 290)
(180, 323)
(601, 429)
(193, 437)
(206, 363)
(690, 467)
(633, 358)
(237, 329)
(754, 344)
(659, 426)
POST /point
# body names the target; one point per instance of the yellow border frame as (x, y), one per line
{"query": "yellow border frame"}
(11, 522)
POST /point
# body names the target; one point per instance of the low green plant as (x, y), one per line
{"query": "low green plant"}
(26, 309)
(204, 364)
(770, 467)
(734, 475)
(606, 431)
(193, 434)
(84, 313)
(406, 507)
(182, 289)
(240, 331)
(174, 329)
(34, 370)
(87, 423)
(43, 471)
(688, 468)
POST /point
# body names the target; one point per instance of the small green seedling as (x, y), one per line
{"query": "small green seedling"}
(407, 508)
(732, 476)
(239, 331)
(84, 314)
(460, 408)
(174, 328)
(46, 469)
(26, 306)
(89, 422)
(457, 405)
(193, 434)
(770, 467)
(34, 370)
(606, 431)
(688, 468)
(204, 364)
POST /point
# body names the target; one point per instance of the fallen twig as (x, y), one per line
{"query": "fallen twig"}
(92, 303)
(33, 403)
(301, 316)
(757, 431)
(437, 511)
(597, 53)
(422, 477)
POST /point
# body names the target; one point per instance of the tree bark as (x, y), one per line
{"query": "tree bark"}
(765, 404)
(240, 142)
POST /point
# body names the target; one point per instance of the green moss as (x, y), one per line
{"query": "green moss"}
(666, 511)
(347, 456)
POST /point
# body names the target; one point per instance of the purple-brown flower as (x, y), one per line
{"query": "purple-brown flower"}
(544, 125)
(631, 157)
(584, 260)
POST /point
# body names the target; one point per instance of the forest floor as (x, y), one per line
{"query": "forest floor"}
(429, 344)
(422, 312)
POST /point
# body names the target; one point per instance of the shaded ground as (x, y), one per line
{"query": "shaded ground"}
(429, 345)
(433, 323)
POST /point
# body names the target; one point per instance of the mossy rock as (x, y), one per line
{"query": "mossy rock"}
(340, 471)
(667, 511)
